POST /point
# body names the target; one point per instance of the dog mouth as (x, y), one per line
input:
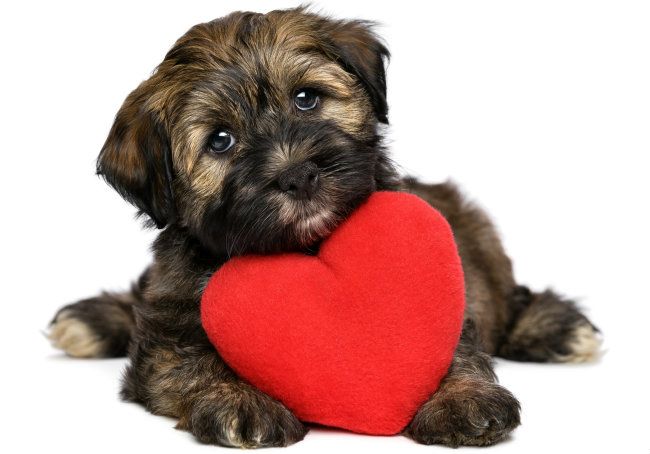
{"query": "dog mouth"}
(307, 222)
(270, 220)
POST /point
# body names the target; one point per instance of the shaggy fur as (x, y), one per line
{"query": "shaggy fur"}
(240, 75)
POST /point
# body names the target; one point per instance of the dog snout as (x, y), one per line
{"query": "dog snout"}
(300, 180)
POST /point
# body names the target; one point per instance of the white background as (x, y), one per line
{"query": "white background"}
(540, 110)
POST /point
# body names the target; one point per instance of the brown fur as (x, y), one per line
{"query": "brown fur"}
(239, 74)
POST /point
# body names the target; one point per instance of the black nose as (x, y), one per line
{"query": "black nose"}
(301, 180)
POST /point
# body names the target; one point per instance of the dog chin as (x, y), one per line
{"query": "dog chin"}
(315, 227)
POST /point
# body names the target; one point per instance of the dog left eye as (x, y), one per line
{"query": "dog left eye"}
(306, 99)
(221, 141)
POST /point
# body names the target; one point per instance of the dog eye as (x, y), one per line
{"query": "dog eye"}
(306, 99)
(221, 141)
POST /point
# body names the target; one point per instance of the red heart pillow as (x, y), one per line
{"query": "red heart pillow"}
(357, 337)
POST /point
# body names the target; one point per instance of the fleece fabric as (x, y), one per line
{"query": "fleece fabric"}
(360, 335)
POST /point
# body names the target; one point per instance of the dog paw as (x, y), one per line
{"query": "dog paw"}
(476, 414)
(250, 420)
(97, 327)
(552, 329)
(582, 344)
(74, 336)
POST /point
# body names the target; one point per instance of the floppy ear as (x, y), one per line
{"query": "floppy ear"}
(362, 53)
(136, 158)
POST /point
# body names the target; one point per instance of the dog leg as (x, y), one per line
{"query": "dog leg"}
(548, 328)
(98, 327)
(469, 408)
(193, 384)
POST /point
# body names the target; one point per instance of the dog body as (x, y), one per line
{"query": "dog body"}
(259, 133)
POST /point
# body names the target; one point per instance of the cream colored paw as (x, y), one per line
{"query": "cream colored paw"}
(74, 337)
(585, 343)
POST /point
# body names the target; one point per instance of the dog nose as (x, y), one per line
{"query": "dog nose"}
(301, 180)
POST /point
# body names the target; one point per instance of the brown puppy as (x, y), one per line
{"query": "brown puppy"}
(259, 133)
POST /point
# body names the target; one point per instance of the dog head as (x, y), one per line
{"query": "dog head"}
(257, 132)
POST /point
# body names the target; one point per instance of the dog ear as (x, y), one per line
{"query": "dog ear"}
(136, 158)
(362, 53)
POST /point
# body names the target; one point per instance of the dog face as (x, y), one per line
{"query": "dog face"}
(257, 133)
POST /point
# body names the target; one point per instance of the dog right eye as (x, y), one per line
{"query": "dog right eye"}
(221, 141)
(306, 99)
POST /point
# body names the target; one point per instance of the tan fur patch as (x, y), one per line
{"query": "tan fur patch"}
(585, 345)
(75, 337)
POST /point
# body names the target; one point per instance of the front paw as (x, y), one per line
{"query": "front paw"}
(474, 413)
(241, 417)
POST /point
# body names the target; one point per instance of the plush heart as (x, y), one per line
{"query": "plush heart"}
(357, 337)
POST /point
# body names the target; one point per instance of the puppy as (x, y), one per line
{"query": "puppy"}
(259, 133)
